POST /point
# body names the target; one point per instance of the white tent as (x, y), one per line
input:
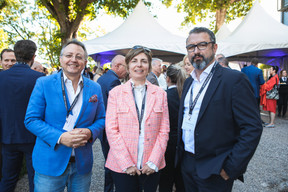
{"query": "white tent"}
(140, 28)
(222, 33)
(259, 35)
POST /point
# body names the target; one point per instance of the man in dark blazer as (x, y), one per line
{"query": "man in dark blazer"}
(16, 85)
(255, 76)
(107, 82)
(153, 76)
(219, 127)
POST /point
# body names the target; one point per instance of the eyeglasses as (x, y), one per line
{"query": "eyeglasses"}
(77, 57)
(200, 46)
(141, 47)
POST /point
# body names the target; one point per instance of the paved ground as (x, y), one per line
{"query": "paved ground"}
(267, 171)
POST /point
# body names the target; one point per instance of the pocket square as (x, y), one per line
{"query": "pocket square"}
(93, 98)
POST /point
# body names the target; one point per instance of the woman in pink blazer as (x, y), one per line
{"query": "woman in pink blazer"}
(137, 127)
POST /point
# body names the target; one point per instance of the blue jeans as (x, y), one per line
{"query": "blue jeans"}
(70, 178)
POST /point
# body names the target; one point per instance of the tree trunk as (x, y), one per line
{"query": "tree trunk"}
(220, 18)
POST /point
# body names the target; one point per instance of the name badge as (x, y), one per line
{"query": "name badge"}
(70, 122)
(188, 123)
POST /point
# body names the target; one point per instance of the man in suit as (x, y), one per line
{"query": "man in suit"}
(152, 77)
(7, 58)
(16, 85)
(107, 82)
(223, 61)
(255, 76)
(219, 124)
(66, 113)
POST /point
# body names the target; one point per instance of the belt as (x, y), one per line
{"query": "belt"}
(72, 159)
(190, 154)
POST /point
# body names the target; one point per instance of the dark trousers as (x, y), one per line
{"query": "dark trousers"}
(193, 183)
(12, 157)
(282, 104)
(171, 175)
(126, 183)
(108, 181)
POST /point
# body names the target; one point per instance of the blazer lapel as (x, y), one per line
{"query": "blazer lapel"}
(128, 99)
(150, 99)
(58, 88)
(86, 92)
(210, 91)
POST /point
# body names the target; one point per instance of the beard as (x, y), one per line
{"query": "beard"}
(200, 65)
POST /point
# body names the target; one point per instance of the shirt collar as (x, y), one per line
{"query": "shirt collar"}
(139, 86)
(66, 79)
(205, 72)
(172, 86)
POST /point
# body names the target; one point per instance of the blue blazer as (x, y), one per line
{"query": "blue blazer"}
(228, 128)
(255, 77)
(16, 87)
(45, 117)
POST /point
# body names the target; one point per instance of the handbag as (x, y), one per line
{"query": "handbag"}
(273, 93)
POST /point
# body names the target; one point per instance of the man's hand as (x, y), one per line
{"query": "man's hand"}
(76, 138)
(147, 170)
(224, 175)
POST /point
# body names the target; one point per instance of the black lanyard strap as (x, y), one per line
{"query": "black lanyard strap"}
(140, 116)
(64, 96)
(192, 104)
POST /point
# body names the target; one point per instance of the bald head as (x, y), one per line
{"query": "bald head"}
(37, 66)
(118, 65)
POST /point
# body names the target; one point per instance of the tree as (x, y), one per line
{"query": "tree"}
(70, 13)
(221, 10)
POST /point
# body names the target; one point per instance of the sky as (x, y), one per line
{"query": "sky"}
(170, 19)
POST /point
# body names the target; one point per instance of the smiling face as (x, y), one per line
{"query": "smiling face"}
(73, 60)
(188, 66)
(139, 67)
(8, 60)
(200, 59)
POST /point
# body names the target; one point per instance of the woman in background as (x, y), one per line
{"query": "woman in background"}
(283, 94)
(270, 104)
(175, 77)
(137, 127)
(187, 66)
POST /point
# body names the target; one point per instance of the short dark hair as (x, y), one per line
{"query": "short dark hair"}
(136, 50)
(24, 50)
(254, 61)
(275, 68)
(203, 30)
(5, 50)
(75, 42)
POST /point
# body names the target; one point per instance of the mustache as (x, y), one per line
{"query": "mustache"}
(196, 55)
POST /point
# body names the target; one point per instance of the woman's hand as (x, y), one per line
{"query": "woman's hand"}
(147, 170)
(133, 171)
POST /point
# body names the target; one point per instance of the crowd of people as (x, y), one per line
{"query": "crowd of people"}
(161, 127)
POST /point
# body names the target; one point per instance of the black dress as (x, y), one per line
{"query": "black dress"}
(283, 96)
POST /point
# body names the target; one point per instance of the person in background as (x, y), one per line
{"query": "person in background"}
(7, 58)
(162, 78)
(66, 112)
(283, 94)
(214, 149)
(223, 61)
(187, 66)
(107, 82)
(37, 66)
(137, 127)
(152, 77)
(171, 175)
(98, 74)
(16, 85)
(218, 56)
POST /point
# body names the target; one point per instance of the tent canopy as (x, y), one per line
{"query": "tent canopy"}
(259, 35)
(140, 28)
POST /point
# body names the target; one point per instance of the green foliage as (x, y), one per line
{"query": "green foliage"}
(199, 11)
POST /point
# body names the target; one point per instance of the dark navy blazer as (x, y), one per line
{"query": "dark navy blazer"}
(228, 128)
(16, 85)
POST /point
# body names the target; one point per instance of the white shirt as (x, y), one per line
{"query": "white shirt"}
(162, 81)
(188, 125)
(139, 92)
(72, 118)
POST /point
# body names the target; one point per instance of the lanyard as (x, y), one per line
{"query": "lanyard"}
(193, 103)
(140, 116)
(64, 96)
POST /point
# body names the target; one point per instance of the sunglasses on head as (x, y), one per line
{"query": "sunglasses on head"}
(141, 47)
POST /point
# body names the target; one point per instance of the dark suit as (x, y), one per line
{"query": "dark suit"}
(151, 77)
(107, 82)
(16, 85)
(228, 128)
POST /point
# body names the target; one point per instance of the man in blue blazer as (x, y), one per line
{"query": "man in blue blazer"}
(107, 82)
(219, 125)
(255, 76)
(66, 112)
(16, 85)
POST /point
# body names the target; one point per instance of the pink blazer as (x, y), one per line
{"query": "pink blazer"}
(122, 127)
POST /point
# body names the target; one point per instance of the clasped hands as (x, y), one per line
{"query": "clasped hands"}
(78, 137)
(145, 170)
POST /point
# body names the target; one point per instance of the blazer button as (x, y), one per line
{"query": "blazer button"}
(147, 139)
(149, 124)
